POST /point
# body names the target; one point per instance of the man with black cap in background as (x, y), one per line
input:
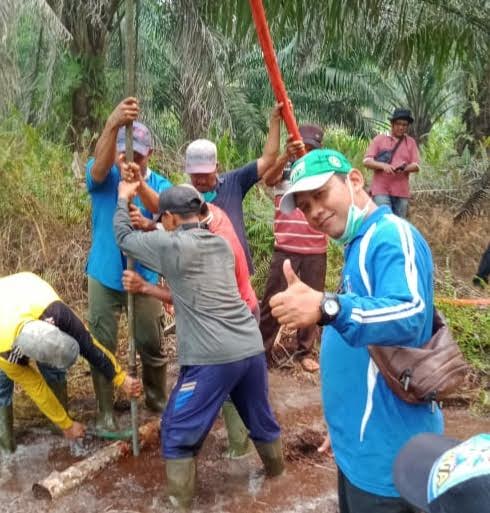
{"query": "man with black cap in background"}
(36, 326)
(393, 157)
(220, 350)
(106, 263)
(296, 240)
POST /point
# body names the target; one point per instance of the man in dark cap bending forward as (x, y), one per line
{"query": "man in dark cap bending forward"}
(220, 348)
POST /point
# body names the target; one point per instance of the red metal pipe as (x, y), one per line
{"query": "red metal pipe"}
(273, 70)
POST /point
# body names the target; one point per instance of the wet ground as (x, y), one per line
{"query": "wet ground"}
(136, 485)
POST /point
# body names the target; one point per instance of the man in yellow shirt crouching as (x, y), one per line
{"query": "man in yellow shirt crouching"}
(40, 338)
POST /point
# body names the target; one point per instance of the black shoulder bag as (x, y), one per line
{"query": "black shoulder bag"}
(386, 156)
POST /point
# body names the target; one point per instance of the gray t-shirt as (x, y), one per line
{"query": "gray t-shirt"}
(213, 324)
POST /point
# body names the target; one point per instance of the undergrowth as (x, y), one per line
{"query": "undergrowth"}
(45, 228)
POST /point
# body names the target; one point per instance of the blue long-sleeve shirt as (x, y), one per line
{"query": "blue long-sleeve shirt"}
(386, 298)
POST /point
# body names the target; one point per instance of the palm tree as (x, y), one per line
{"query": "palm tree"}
(428, 94)
(325, 44)
(84, 28)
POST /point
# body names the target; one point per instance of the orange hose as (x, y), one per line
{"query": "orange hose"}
(273, 70)
(480, 301)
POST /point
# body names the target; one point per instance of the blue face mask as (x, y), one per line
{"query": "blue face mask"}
(355, 218)
(209, 196)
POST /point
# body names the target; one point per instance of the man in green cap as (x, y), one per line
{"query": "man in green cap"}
(385, 298)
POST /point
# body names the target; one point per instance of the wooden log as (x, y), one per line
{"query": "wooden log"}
(59, 483)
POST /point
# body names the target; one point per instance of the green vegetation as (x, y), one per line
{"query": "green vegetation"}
(37, 184)
(471, 328)
(200, 74)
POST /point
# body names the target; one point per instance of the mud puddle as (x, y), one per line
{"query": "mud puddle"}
(137, 485)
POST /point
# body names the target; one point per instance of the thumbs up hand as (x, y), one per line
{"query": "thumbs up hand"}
(289, 274)
(299, 305)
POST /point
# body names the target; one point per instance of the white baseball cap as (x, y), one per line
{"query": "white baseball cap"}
(201, 156)
(46, 343)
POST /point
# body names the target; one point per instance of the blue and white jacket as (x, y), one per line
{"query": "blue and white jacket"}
(386, 298)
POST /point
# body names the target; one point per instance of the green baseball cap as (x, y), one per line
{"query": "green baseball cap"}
(312, 172)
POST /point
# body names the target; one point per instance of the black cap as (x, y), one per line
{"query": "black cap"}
(181, 199)
(438, 474)
(312, 135)
(402, 114)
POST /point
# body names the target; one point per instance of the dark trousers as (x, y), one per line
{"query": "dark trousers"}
(311, 269)
(484, 267)
(199, 394)
(105, 306)
(355, 500)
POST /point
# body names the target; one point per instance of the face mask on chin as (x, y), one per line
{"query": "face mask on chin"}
(209, 196)
(355, 218)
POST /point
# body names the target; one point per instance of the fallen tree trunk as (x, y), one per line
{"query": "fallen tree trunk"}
(59, 483)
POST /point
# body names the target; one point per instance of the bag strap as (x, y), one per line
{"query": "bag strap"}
(393, 151)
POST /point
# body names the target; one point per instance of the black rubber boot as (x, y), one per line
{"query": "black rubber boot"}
(104, 394)
(60, 390)
(7, 439)
(181, 482)
(271, 456)
(239, 444)
(155, 386)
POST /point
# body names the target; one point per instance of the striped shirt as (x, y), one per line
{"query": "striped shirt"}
(293, 234)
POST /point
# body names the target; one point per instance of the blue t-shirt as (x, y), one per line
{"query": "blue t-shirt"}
(231, 189)
(106, 262)
(386, 298)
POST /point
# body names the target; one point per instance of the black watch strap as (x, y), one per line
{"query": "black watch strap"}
(329, 308)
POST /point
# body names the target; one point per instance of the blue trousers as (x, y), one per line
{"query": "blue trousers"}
(198, 395)
(50, 374)
(398, 205)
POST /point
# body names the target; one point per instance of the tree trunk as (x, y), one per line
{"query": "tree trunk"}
(87, 98)
(89, 23)
(477, 115)
(60, 483)
(31, 115)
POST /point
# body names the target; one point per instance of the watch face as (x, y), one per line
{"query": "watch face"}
(331, 307)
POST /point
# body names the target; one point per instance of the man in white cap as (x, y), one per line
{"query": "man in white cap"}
(228, 190)
(35, 325)
(385, 298)
(106, 263)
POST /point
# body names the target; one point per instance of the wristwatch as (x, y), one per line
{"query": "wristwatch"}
(329, 308)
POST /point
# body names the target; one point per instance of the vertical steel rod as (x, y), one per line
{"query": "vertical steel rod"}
(130, 91)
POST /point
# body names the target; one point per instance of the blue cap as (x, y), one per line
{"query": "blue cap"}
(142, 142)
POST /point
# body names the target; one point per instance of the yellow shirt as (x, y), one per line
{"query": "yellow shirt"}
(24, 297)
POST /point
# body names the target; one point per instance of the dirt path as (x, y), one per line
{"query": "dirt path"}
(137, 485)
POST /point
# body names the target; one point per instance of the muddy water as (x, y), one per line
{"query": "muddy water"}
(136, 485)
